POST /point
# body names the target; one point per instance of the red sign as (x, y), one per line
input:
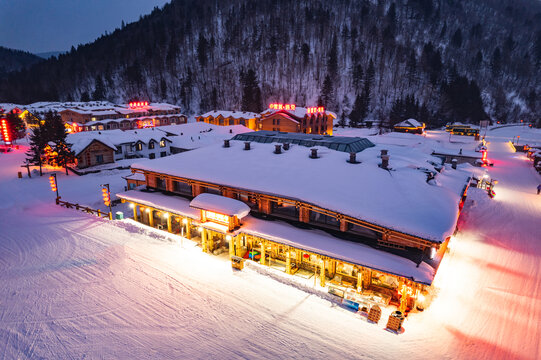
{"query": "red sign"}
(315, 110)
(282, 106)
(5, 131)
(138, 104)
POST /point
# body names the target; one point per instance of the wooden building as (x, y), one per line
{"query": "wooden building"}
(370, 257)
(224, 118)
(94, 153)
(410, 126)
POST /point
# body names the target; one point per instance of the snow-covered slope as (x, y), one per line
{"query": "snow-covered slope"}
(75, 286)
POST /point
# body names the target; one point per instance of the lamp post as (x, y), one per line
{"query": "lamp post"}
(54, 185)
(107, 199)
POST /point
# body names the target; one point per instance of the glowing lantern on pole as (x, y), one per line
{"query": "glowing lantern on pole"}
(52, 181)
(106, 196)
(5, 131)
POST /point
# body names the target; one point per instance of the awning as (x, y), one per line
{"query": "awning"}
(220, 204)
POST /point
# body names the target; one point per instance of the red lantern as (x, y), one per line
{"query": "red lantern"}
(52, 182)
(106, 196)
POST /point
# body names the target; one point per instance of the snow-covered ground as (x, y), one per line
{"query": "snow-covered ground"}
(76, 286)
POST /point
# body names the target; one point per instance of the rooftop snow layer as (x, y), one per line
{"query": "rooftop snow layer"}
(410, 123)
(233, 114)
(400, 199)
(220, 204)
(339, 143)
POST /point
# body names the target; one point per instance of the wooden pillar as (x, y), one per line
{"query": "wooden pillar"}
(134, 212)
(232, 246)
(263, 250)
(304, 214)
(322, 273)
(238, 247)
(169, 225)
(204, 240)
(151, 217)
(360, 280)
(343, 225)
(288, 262)
(188, 233)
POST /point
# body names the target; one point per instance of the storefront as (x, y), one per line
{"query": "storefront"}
(222, 225)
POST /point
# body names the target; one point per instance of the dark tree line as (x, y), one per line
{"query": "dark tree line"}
(354, 57)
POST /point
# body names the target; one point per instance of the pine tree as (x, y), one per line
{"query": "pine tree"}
(99, 90)
(327, 92)
(202, 50)
(356, 112)
(332, 58)
(496, 62)
(251, 93)
(357, 77)
(456, 40)
(56, 133)
(342, 120)
(16, 126)
(37, 144)
(305, 50)
(85, 97)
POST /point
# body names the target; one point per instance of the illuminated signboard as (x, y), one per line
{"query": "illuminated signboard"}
(5, 131)
(219, 218)
(282, 106)
(315, 110)
(138, 104)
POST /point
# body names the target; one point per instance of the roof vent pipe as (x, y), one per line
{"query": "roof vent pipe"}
(286, 146)
(384, 152)
(246, 145)
(278, 149)
(454, 162)
(226, 143)
(353, 158)
(313, 153)
(385, 161)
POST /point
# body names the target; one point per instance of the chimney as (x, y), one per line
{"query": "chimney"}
(454, 162)
(353, 158)
(385, 161)
(226, 143)
(278, 149)
(246, 145)
(313, 153)
(384, 152)
(286, 146)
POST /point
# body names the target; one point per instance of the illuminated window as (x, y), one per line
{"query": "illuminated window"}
(139, 146)
(162, 143)
(151, 144)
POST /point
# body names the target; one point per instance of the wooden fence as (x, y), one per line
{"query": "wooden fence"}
(83, 208)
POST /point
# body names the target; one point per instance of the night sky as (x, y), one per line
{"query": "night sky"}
(55, 25)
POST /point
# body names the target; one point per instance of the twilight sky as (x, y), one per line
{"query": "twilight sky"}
(56, 25)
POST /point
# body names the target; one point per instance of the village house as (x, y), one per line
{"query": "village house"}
(410, 126)
(279, 117)
(276, 199)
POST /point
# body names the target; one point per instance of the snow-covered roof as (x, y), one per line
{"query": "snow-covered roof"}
(117, 137)
(195, 135)
(233, 114)
(409, 123)
(82, 143)
(400, 199)
(220, 204)
(299, 112)
(135, 176)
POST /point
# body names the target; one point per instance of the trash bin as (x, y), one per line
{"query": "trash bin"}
(119, 215)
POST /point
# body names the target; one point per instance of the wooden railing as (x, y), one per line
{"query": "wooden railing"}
(83, 208)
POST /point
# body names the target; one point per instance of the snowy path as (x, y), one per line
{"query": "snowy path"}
(74, 286)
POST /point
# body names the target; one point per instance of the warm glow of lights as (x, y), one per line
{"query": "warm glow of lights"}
(5, 131)
(138, 104)
(106, 196)
(184, 221)
(315, 110)
(147, 210)
(132, 206)
(282, 106)
(166, 215)
(219, 218)
(432, 252)
(228, 237)
(52, 181)
(200, 229)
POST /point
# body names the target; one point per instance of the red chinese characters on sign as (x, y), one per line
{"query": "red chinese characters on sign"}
(5, 131)
(282, 106)
(315, 110)
(138, 104)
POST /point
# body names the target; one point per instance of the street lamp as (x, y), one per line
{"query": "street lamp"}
(107, 198)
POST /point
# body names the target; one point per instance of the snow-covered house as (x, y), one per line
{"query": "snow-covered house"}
(371, 218)
(227, 118)
(91, 152)
(410, 126)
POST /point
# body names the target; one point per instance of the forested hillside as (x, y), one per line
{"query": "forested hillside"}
(437, 60)
(13, 60)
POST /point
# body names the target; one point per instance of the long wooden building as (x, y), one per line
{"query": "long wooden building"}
(337, 208)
